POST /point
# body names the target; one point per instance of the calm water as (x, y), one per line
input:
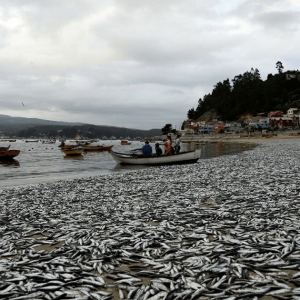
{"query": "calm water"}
(40, 162)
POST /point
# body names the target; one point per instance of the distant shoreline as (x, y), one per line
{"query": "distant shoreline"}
(246, 139)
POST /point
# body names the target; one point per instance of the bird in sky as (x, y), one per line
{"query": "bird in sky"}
(23, 104)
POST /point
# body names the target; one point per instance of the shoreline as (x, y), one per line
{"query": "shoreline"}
(252, 139)
(216, 228)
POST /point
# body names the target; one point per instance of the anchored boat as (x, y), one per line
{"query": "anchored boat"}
(74, 151)
(131, 159)
(93, 148)
(10, 154)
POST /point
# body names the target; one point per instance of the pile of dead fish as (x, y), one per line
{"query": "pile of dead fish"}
(224, 228)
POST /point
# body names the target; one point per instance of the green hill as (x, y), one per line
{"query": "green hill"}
(12, 124)
(32, 127)
(248, 93)
(85, 131)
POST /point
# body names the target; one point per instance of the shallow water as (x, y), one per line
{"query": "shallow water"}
(38, 162)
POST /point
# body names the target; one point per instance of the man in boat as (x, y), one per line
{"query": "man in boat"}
(147, 149)
(158, 149)
(177, 144)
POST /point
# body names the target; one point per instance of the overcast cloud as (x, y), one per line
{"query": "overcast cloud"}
(135, 63)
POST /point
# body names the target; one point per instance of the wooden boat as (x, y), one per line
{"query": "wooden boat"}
(66, 147)
(10, 154)
(107, 148)
(183, 157)
(74, 151)
(10, 141)
(4, 148)
(93, 148)
(125, 142)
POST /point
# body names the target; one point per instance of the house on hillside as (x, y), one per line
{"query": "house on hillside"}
(191, 124)
(275, 114)
(293, 111)
(281, 122)
(259, 122)
(206, 129)
(233, 126)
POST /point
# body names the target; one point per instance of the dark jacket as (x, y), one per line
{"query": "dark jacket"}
(158, 151)
(147, 150)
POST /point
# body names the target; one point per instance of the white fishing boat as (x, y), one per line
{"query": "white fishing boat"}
(131, 159)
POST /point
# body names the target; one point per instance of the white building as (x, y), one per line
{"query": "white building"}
(292, 111)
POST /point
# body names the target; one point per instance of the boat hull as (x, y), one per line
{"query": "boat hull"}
(107, 148)
(67, 147)
(93, 148)
(74, 152)
(182, 158)
(10, 154)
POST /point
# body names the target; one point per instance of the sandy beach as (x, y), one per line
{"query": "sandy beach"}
(226, 227)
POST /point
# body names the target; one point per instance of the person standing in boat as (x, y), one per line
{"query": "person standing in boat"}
(147, 149)
(168, 145)
(177, 144)
(158, 150)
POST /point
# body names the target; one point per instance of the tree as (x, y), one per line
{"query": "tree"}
(166, 129)
(279, 67)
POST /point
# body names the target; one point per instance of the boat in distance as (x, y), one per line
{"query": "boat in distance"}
(67, 147)
(98, 148)
(31, 141)
(181, 158)
(74, 151)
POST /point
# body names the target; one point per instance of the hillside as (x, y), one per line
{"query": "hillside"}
(13, 124)
(248, 93)
(85, 131)
(32, 127)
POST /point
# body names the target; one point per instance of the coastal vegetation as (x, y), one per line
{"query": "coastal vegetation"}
(168, 128)
(248, 94)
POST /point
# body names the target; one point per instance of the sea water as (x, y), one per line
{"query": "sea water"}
(39, 163)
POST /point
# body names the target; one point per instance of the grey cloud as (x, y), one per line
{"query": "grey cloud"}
(157, 57)
(280, 20)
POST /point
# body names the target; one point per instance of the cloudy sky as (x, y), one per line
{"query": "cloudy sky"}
(135, 63)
